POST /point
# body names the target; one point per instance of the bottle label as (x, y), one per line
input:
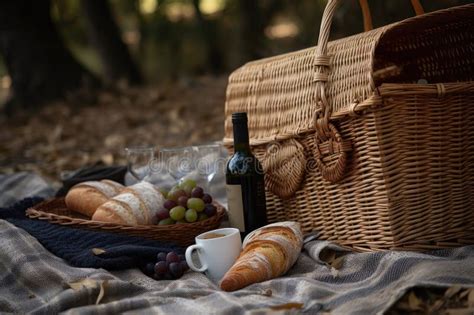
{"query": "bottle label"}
(235, 206)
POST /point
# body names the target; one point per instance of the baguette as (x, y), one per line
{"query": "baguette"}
(85, 197)
(135, 205)
(267, 253)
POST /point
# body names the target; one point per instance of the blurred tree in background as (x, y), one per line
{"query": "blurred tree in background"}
(52, 48)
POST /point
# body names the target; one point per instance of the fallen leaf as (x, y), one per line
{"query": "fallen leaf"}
(463, 294)
(414, 302)
(337, 263)
(470, 298)
(90, 284)
(436, 306)
(98, 251)
(84, 283)
(327, 255)
(287, 306)
(102, 291)
(450, 292)
(460, 311)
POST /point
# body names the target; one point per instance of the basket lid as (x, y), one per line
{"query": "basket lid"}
(278, 92)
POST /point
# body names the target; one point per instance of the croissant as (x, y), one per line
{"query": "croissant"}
(85, 197)
(267, 253)
(135, 205)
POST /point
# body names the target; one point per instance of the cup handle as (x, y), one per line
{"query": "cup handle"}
(189, 260)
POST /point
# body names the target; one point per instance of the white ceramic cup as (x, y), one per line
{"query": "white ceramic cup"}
(216, 255)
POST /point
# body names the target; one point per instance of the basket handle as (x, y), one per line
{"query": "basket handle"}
(321, 62)
(417, 7)
(322, 59)
(328, 141)
(331, 151)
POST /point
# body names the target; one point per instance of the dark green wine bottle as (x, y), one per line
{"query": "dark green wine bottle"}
(244, 182)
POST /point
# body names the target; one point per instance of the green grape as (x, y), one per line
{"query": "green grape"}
(166, 221)
(191, 215)
(187, 189)
(196, 204)
(177, 213)
(188, 182)
(202, 217)
(183, 221)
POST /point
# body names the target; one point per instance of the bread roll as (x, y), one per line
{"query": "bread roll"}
(85, 197)
(135, 205)
(267, 253)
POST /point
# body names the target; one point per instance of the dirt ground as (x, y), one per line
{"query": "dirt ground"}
(62, 137)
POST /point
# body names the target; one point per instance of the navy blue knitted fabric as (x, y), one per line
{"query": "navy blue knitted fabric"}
(75, 245)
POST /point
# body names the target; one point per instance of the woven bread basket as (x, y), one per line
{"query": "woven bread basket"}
(55, 211)
(368, 139)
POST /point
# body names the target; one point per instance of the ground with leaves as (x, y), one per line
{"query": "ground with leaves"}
(452, 301)
(66, 136)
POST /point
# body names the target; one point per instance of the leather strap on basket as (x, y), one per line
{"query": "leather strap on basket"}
(331, 150)
(417, 7)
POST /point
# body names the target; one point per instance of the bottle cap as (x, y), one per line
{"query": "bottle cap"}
(240, 117)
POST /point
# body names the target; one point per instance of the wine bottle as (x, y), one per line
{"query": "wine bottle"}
(244, 182)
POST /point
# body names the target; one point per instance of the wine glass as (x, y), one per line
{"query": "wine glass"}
(179, 161)
(138, 161)
(207, 161)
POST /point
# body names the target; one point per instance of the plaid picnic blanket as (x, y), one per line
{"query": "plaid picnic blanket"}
(32, 280)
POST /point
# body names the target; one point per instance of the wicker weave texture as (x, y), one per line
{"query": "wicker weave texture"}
(278, 92)
(55, 211)
(408, 182)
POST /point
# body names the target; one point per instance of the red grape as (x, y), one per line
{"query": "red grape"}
(176, 270)
(161, 268)
(210, 210)
(169, 204)
(175, 194)
(197, 192)
(150, 269)
(183, 201)
(161, 256)
(172, 257)
(206, 198)
(163, 214)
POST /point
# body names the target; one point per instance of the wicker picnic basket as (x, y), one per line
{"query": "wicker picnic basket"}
(369, 139)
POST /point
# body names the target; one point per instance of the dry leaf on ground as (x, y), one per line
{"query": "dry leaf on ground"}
(88, 283)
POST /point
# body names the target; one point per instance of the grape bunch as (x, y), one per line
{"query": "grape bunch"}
(185, 203)
(168, 266)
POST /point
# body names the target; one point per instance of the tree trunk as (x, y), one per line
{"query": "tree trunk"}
(214, 55)
(252, 29)
(105, 36)
(40, 66)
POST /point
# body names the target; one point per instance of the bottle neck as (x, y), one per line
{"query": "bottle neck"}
(241, 137)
